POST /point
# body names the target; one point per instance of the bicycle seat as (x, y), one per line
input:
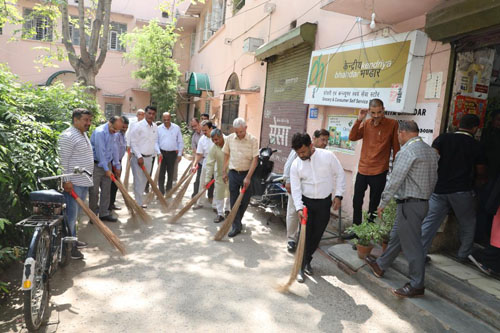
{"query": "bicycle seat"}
(47, 196)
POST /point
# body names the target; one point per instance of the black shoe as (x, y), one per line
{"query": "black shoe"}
(76, 254)
(226, 213)
(215, 210)
(427, 259)
(408, 291)
(81, 245)
(349, 236)
(109, 218)
(291, 246)
(219, 219)
(308, 269)
(114, 207)
(144, 206)
(301, 277)
(234, 231)
(354, 247)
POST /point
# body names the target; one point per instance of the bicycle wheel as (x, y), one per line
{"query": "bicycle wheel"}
(37, 299)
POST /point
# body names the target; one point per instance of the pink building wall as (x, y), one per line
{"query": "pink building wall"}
(219, 60)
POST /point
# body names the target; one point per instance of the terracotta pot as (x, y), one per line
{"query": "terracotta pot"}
(363, 251)
(384, 246)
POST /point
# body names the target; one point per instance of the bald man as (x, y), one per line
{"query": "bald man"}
(171, 145)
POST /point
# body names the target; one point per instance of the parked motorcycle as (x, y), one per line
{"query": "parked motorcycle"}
(269, 191)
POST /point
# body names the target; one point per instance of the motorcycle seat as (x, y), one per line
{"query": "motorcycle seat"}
(47, 196)
(274, 177)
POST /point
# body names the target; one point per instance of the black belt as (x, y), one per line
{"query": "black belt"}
(146, 155)
(240, 172)
(400, 201)
(307, 198)
(169, 151)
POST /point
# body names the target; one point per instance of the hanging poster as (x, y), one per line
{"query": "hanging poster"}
(424, 115)
(339, 128)
(351, 75)
(465, 105)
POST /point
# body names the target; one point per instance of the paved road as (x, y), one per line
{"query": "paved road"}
(176, 278)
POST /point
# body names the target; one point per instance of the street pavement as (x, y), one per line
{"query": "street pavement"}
(176, 278)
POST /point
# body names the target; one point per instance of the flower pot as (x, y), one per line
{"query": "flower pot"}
(384, 245)
(363, 251)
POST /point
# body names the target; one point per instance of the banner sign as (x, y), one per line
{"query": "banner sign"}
(351, 75)
(339, 128)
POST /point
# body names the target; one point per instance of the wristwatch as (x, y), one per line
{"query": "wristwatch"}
(339, 196)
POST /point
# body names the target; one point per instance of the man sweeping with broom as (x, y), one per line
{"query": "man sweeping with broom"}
(241, 151)
(314, 176)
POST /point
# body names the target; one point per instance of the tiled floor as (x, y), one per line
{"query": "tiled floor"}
(467, 273)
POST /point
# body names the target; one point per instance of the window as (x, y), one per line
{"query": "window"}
(36, 27)
(213, 20)
(74, 31)
(193, 43)
(112, 110)
(237, 5)
(116, 30)
(164, 14)
(230, 105)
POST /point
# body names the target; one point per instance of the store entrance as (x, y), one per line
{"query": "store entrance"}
(476, 90)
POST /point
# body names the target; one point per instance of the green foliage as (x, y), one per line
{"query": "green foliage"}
(31, 119)
(187, 133)
(150, 48)
(368, 233)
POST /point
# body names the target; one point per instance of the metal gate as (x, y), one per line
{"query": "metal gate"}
(284, 110)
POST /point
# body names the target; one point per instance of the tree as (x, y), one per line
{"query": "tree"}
(88, 63)
(150, 48)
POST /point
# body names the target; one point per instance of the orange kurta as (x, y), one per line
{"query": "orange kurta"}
(377, 144)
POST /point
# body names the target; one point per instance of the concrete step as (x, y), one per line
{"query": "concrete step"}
(464, 295)
(431, 313)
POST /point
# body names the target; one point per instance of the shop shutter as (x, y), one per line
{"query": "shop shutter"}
(284, 110)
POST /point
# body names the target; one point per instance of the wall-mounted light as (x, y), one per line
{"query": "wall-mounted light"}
(372, 23)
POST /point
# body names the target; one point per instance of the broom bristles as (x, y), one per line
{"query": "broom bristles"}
(299, 256)
(228, 222)
(155, 188)
(150, 196)
(185, 176)
(177, 216)
(135, 206)
(108, 234)
(181, 193)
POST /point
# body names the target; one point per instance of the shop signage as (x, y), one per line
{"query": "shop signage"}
(339, 128)
(313, 113)
(351, 75)
(424, 114)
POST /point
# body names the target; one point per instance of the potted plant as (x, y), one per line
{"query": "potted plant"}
(367, 233)
(387, 223)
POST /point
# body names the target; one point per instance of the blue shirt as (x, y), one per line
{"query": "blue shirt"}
(170, 139)
(120, 146)
(103, 147)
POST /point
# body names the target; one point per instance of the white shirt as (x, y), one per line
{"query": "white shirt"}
(317, 177)
(130, 129)
(170, 139)
(204, 146)
(144, 139)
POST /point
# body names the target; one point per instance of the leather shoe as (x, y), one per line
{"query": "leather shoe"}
(291, 246)
(226, 213)
(301, 277)
(348, 236)
(109, 218)
(215, 210)
(308, 269)
(114, 207)
(409, 291)
(219, 219)
(372, 262)
(234, 231)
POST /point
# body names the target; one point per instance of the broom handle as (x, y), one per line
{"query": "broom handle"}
(174, 189)
(127, 171)
(154, 187)
(191, 202)
(100, 225)
(127, 197)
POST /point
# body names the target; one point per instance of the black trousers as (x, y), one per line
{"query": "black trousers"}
(318, 216)
(112, 192)
(377, 184)
(235, 184)
(167, 165)
(197, 181)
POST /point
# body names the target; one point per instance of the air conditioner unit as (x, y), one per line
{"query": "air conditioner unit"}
(251, 44)
(187, 75)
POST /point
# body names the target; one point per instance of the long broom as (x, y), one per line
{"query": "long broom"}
(127, 170)
(299, 255)
(190, 203)
(108, 234)
(130, 202)
(150, 196)
(155, 188)
(181, 193)
(179, 183)
(224, 229)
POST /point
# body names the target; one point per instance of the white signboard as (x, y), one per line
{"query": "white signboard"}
(351, 75)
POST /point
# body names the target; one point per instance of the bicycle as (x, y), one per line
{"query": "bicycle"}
(49, 248)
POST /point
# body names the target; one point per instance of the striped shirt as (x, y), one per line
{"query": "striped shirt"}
(75, 150)
(241, 151)
(414, 172)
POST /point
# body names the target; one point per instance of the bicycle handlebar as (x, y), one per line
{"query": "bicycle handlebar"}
(76, 171)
